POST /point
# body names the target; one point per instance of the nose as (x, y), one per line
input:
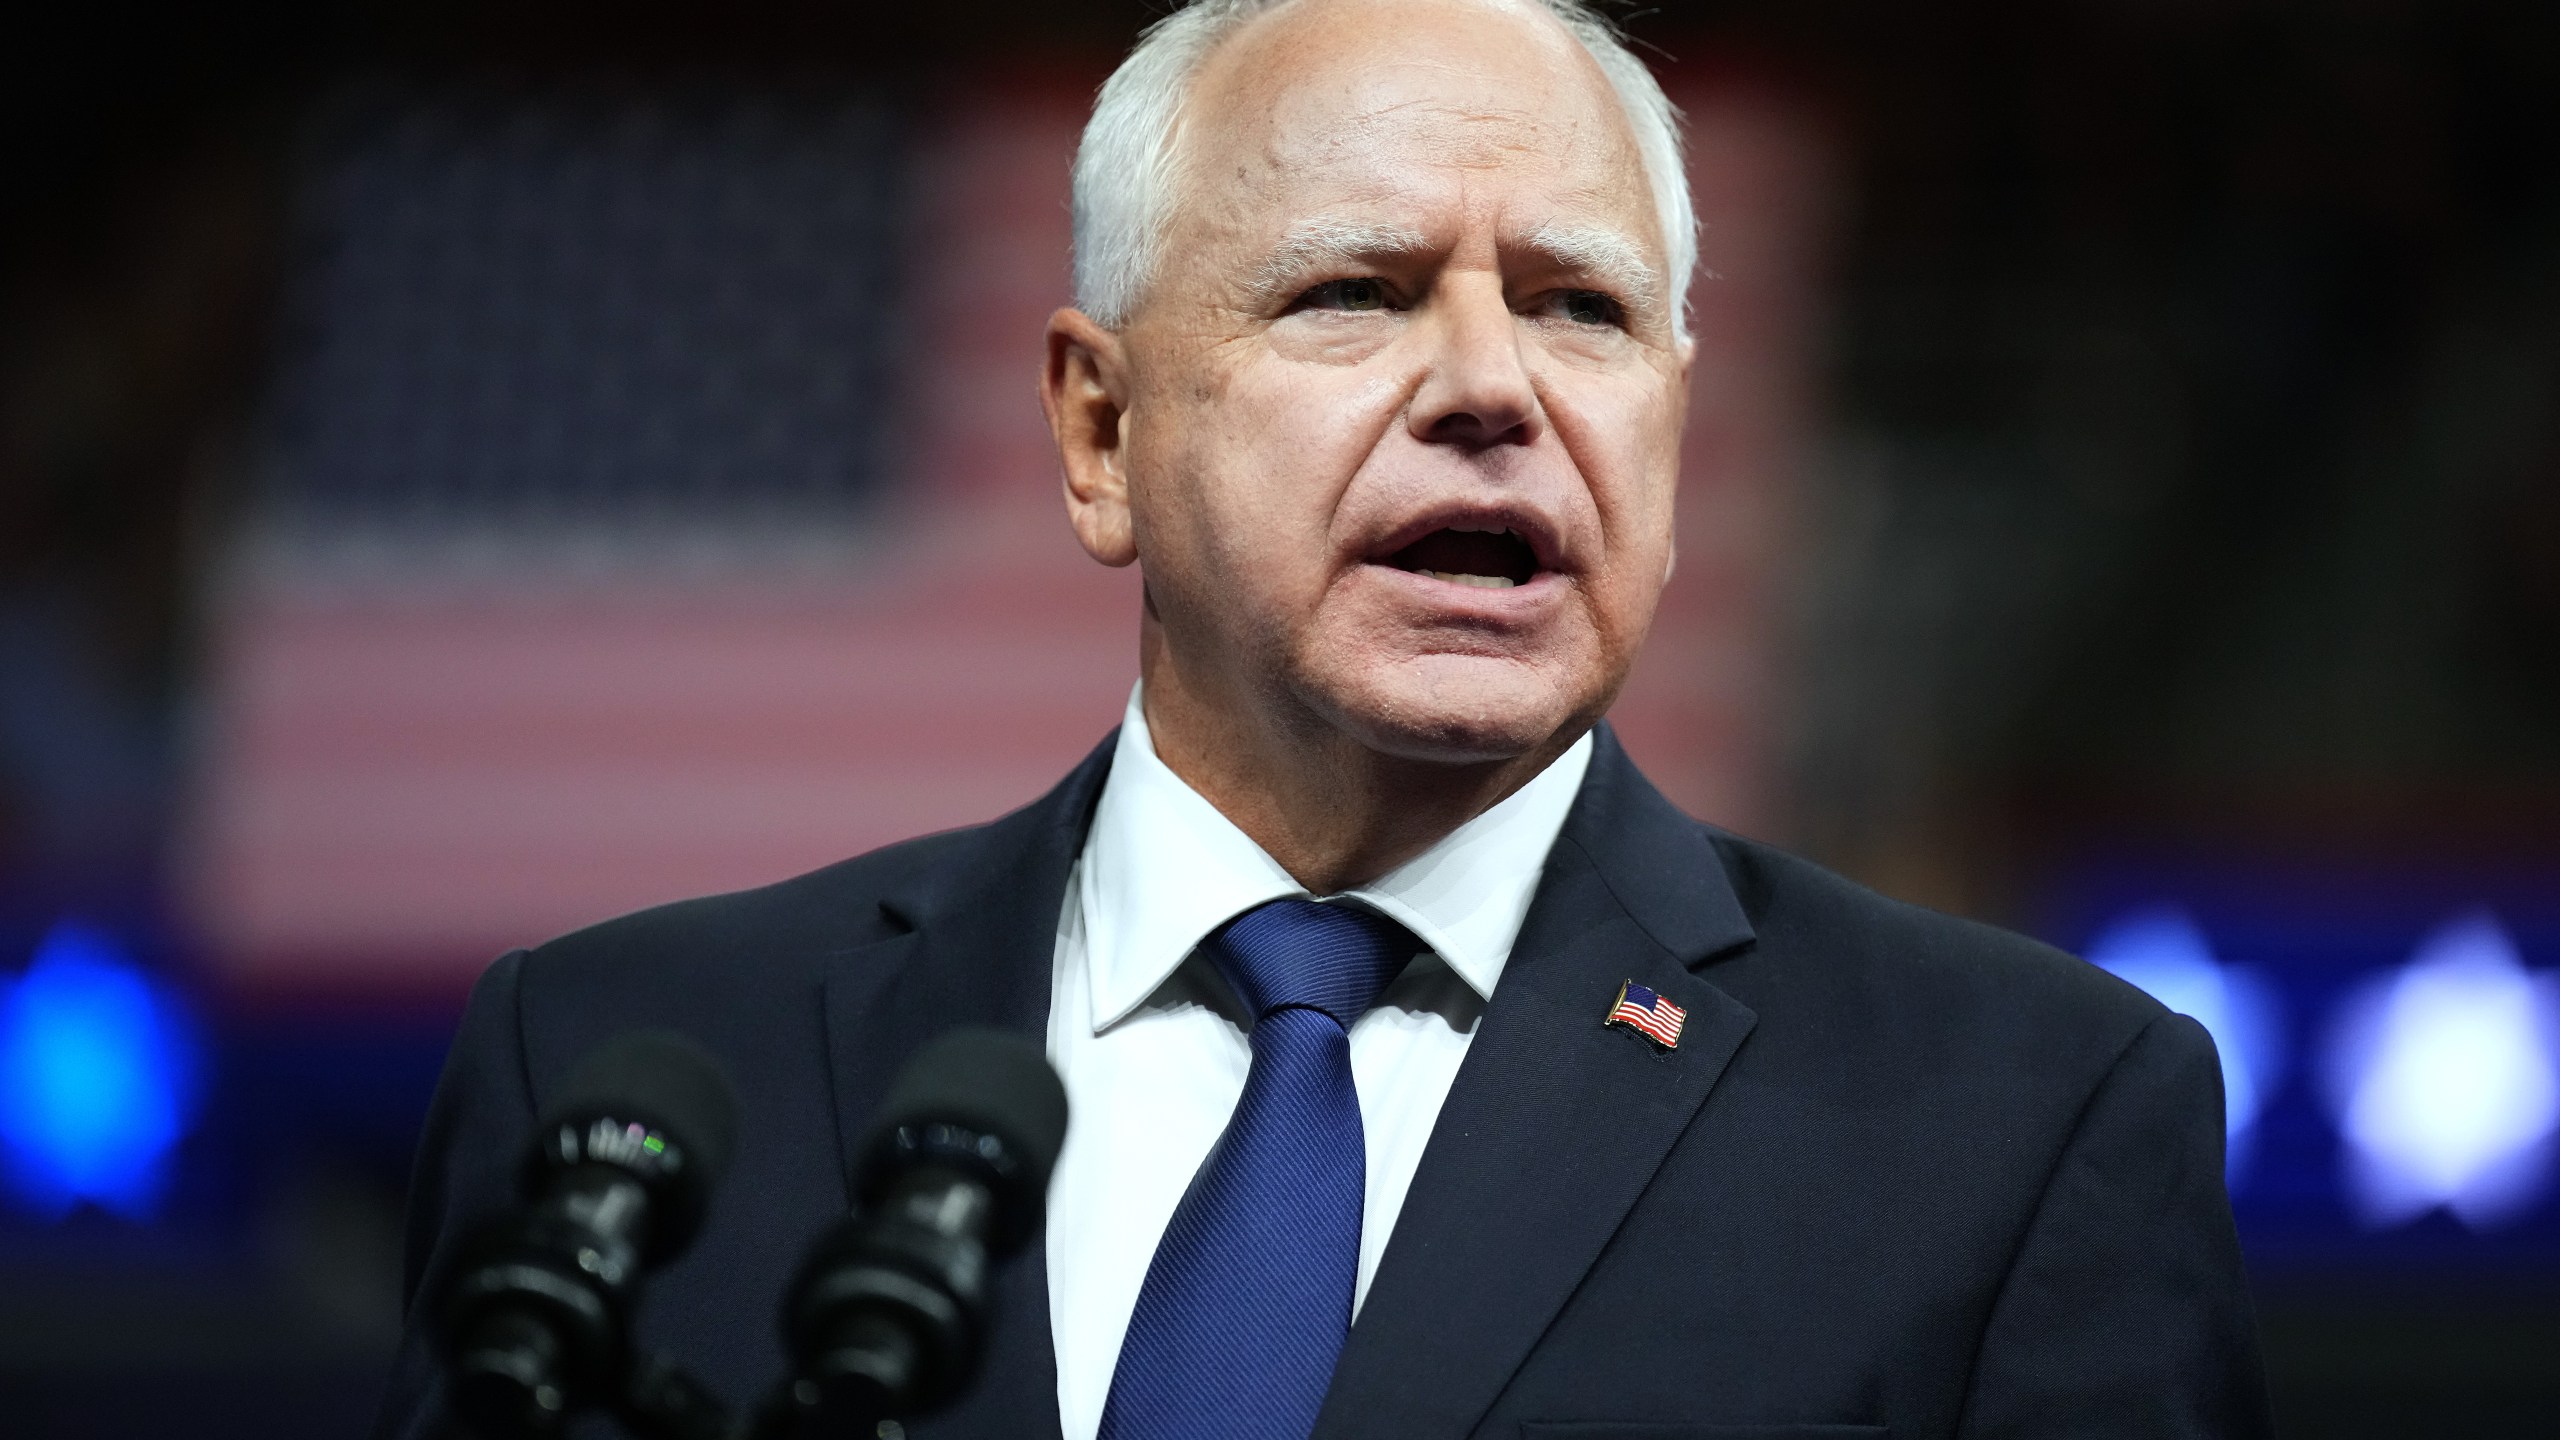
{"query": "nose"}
(1476, 392)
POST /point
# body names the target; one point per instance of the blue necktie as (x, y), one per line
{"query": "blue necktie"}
(1248, 1300)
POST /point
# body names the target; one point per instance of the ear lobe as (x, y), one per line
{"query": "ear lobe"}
(1084, 392)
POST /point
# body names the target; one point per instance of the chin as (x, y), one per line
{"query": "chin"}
(1458, 709)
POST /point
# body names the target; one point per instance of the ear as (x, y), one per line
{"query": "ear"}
(1084, 390)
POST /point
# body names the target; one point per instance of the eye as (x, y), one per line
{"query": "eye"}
(1365, 293)
(1591, 307)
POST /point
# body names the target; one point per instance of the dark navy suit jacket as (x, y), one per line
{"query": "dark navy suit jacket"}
(1904, 1175)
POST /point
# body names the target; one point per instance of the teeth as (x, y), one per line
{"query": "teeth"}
(1481, 582)
(1481, 529)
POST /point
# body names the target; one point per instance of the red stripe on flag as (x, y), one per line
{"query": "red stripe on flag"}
(1664, 1027)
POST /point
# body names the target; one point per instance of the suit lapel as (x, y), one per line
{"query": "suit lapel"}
(1555, 1123)
(983, 935)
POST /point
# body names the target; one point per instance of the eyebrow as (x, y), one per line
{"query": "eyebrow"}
(1607, 256)
(1320, 244)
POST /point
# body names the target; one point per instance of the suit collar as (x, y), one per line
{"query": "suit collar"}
(977, 883)
(1554, 1126)
(1660, 865)
(1163, 868)
(1556, 1123)
(979, 914)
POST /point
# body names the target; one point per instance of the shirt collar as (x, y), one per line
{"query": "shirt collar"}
(1163, 868)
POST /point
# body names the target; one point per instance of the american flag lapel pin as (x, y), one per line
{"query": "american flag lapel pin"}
(1649, 1015)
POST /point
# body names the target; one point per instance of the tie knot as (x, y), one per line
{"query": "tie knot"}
(1334, 957)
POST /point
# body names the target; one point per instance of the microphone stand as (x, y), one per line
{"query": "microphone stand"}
(661, 1401)
(886, 1315)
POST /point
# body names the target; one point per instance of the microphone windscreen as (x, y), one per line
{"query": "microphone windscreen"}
(990, 1081)
(660, 1079)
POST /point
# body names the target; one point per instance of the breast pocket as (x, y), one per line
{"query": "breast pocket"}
(1649, 1430)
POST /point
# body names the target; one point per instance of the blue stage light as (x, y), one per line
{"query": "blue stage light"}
(96, 1077)
(2163, 951)
(2445, 1080)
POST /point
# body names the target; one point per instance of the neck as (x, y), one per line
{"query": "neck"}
(1333, 812)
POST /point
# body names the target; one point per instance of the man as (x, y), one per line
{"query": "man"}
(1431, 1075)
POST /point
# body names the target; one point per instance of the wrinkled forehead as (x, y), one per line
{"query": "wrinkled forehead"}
(1327, 104)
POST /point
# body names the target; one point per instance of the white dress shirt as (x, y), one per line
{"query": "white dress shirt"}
(1152, 1043)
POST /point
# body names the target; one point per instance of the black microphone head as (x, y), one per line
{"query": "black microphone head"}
(983, 1099)
(651, 1102)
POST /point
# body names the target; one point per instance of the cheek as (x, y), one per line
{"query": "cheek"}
(1186, 429)
(1626, 443)
(1292, 439)
(1237, 474)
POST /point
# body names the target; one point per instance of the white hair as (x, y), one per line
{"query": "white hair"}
(1127, 166)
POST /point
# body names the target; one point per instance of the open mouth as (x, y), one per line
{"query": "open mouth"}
(1489, 559)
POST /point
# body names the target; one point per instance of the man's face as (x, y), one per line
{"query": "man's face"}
(1404, 398)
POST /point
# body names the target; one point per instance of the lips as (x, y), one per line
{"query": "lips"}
(1487, 557)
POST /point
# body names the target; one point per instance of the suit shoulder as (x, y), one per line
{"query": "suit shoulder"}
(742, 973)
(837, 907)
(1828, 924)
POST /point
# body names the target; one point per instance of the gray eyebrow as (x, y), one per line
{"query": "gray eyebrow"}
(1609, 256)
(1315, 245)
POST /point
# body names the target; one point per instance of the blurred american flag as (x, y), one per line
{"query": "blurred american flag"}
(505, 687)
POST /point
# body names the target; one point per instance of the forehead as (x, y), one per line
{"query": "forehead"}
(1339, 102)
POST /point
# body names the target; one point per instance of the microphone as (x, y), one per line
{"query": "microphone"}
(536, 1317)
(887, 1315)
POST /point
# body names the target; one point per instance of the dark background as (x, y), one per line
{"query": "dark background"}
(2188, 518)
